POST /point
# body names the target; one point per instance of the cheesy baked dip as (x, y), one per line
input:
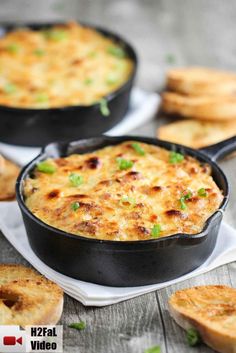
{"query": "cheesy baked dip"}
(130, 191)
(60, 66)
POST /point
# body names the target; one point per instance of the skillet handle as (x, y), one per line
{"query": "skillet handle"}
(221, 149)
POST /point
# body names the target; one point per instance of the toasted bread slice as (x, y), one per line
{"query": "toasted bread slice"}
(197, 134)
(211, 310)
(201, 81)
(27, 298)
(8, 175)
(200, 107)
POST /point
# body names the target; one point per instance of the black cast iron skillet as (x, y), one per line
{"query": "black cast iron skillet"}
(37, 127)
(124, 263)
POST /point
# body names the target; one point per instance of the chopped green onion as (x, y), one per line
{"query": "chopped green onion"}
(88, 81)
(42, 98)
(127, 201)
(202, 192)
(46, 167)
(193, 337)
(92, 54)
(104, 109)
(175, 157)
(156, 230)
(155, 349)
(137, 147)
(55, 34)
(76, 179)
(75, 206)
(183, 198)
(78, 325)
(10, 88)
(116, 51)
(170, 59)
(111, 79)
(124, 164)
(39, 52)
(13, 48)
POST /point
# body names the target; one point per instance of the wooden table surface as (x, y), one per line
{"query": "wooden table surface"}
(193, 32)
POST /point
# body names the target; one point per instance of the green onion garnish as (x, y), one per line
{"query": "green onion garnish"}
(183, 198)
(111, 79)
(75, 179)
(124, 164)
(92, 54)
(202, 192)
(104, 109)
(55, 34)
(170, 59)
(156, 230)
(88, 81)
(116, 51)
(9, 88)
(39, 52)
(78, 325)
(42, 98)
(13, 48)
(137, 147)
(175, 157)
(46, 167)
(75, 206)
(155, 349)
(127, 201)
(193, 337)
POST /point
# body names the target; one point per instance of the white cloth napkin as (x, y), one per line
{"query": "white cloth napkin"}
(90, 294)
(142, 108)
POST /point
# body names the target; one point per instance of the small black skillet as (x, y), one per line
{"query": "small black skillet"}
(128, 263)
(37, 127)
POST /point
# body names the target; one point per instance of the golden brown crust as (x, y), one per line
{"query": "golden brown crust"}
(211, 310)
(199, 107)
(27, 298)
(200, 81)
(116, 204)
(197, 134)
(38, 73)
(8, 175)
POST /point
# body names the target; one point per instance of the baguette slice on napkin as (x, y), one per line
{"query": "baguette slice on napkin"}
(201, 81)
(199, 107)
(195, 133)
(211, 310)
(27, 298)
(8, 175)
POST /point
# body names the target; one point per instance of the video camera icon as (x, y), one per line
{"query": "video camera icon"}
(12, 340)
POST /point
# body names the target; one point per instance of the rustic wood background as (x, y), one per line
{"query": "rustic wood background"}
(193, 32)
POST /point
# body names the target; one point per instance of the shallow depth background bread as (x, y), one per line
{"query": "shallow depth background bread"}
(211, 310)
(27, 298)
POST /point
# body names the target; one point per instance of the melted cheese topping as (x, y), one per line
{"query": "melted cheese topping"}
(61, 66)
(124, 193)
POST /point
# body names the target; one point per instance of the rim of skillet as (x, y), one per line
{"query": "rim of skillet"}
(161, 143)
(108, 97)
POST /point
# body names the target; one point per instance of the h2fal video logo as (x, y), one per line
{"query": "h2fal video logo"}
(13, 339)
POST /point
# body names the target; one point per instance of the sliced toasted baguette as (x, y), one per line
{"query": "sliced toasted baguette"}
(8, 175)
(27, 298)
(200, 107)
(211, 310)
(197, 134)
(201, 81)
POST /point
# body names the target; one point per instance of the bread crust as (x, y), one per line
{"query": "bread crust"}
(200, 107)
(197, 134)
(200, 81)
(8, 175)
(211, 310)
(27, 298)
